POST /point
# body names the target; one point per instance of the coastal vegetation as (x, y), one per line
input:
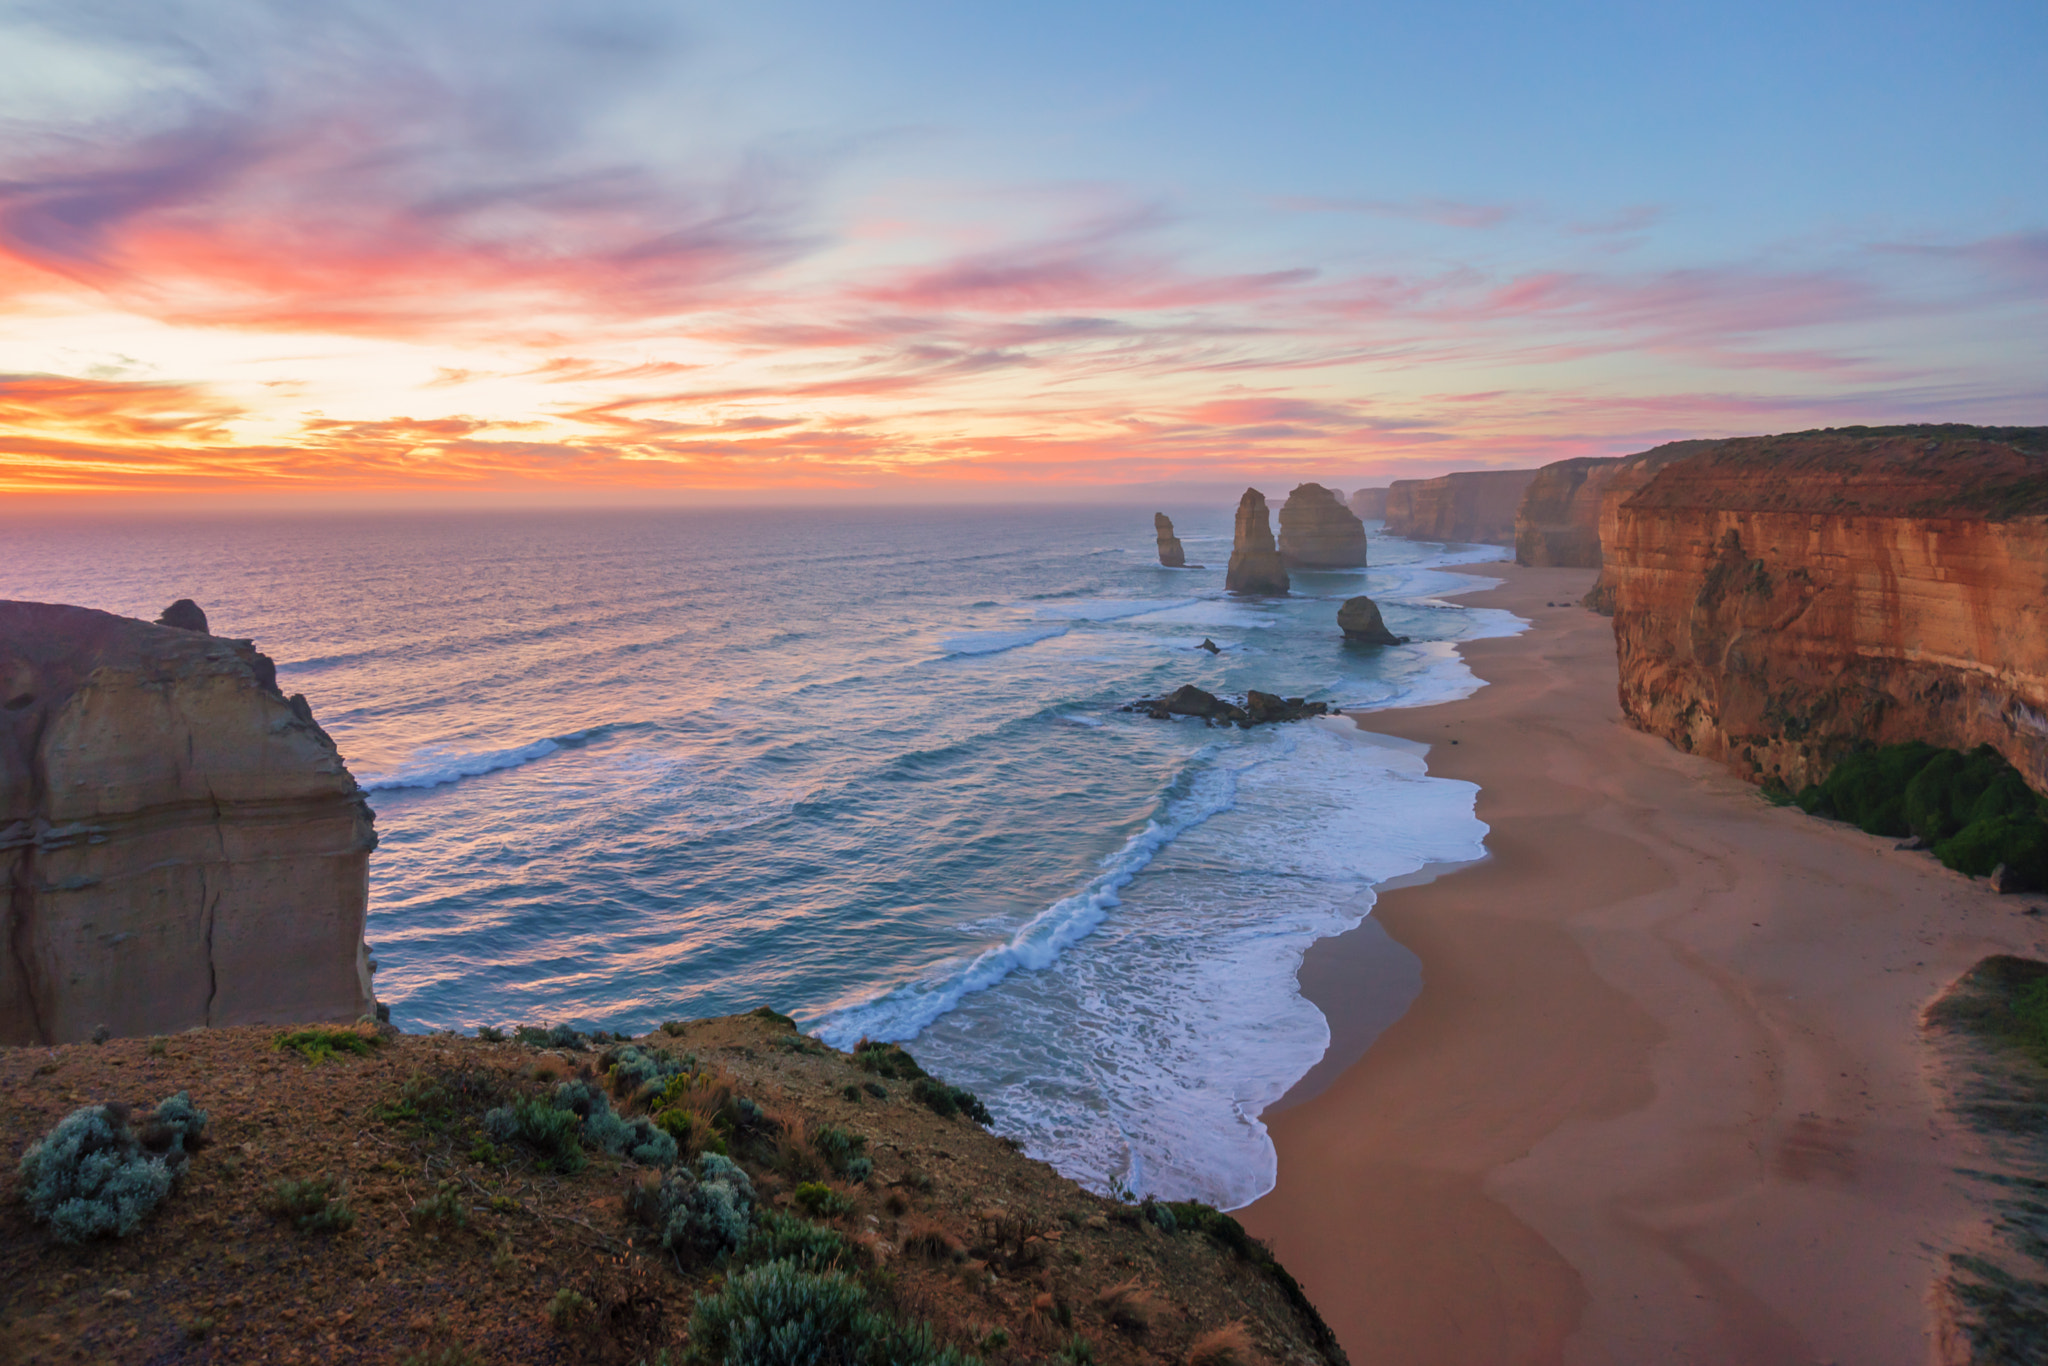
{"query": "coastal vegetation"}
(1973, 811)
(1996, 1019)
(442, 1199)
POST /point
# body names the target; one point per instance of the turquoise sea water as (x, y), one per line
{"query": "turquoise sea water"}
(865, 766)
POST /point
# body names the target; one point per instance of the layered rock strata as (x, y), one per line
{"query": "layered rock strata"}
(180, 844)
(1476, 506)
(1778, 600)
(1557, 525)
(1318, 532)
(1255, 564)
(1369, 504)
(1170, 553)
(1360, 621)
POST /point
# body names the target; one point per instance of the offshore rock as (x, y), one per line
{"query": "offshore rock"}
(1360, 620)
(1259, 709)
(179, 844)
(1558, 523)
(1475, 506)
(1170, 553)
(1318, 532)
(1255, 565)
(1369, 504)
(1778, 600)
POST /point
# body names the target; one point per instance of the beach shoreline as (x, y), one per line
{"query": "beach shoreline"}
(1662, 1095)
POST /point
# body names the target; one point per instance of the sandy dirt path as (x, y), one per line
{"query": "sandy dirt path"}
(1663, 1096)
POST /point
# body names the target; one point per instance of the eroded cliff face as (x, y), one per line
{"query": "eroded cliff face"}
(1475, 505)
(1569, 505)
(180, 844)
(1780, 599)
(1318, 532)
(1255, 565)
(1369, 504)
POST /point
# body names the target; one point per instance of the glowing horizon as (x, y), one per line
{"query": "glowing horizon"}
(621, 253)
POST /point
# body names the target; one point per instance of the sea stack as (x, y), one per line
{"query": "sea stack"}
(1360, 620)
(184, 844)
(1255, 565)
(1170, 553)
(1318, 532)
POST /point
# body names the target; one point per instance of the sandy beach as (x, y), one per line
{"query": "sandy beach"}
(1663, 1096)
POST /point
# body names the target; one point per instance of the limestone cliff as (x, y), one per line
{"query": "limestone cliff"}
(1318, 532)
(1170, 553)
(1780, 599)
(179, 843)
(1255, 565)
(1473, 506)
(1369, 504)
(1558, 524)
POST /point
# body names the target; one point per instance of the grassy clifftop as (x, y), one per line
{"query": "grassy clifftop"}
(433, 1199)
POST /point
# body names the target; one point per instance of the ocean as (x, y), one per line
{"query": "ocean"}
(867, 767)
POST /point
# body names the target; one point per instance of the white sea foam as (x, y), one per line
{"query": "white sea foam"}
(435, 765)
(995, 642)
(1112, 609)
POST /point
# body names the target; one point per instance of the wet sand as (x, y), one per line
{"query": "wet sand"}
(1662, 1096)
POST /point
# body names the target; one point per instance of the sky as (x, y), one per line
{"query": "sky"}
(619, 251)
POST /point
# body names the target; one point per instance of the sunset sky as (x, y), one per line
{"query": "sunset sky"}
(623, 251)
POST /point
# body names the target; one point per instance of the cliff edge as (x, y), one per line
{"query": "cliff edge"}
(1474, 506)
(180, 844)
(1778, 600)
(1558, 524)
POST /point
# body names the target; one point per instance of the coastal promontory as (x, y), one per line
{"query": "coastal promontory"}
(181, 843)
(1476, 506)
(1255, 564)
(1318, 532)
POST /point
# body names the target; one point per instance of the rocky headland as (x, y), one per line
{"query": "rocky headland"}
(1171, 554)
(1360, 621)
(1474, 506)
(1558, 523)
(1369, 504)
(1780, 600)
(1318, 532)
(180, 843)
(1255, 564)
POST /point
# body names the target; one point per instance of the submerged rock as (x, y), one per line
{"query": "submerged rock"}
(1255, 564)
(1359, 618)
(1318, 532)
(1259, 708)
(1170, 553)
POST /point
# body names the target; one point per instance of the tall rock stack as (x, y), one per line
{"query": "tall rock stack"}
(180, 843)
(1318, 532)
(1170, 553)
(1255, 565)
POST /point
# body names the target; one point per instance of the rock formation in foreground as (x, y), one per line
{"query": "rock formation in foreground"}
(1360, 620)
(1778, 600)
(1259, 709)
(181, 845)
(1170, 553)
(1318, 532)
(1369, 504)
(1255, 565)
(1476, 506)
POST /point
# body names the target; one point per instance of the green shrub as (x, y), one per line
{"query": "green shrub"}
(560, 1036)
(567, 1307)
(820, 1201)
(633, 1067)
(316, 1205)
(843, 1152)
(490, 1034)
(321, 1042)
(554, 1134)
(887, 1060)
(1974, 809)
(636, 1137)
(443, 1209)
(767, 1013)
(784, 1238)
(93, 1175)
(947, 1101)
(698, 1214)
(675, 1029)
(779, 1314)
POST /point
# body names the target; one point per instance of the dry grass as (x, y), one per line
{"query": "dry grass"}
(1127, 1305)
(1230, 1345)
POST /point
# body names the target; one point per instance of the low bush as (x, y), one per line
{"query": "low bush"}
(558, 1036)
(1229, 1345)
(633, 1136)
(555, 1135)
(780, 1237)
(316, 1205)
(769, 1013)
(887, 1060)
(97, 1175)
(948, 1101)
(779, 1312)
(842, 1151)
(2003, 999)
(568, 1306)
(1974, 810)
(321, 1042)
(820, 1201)
(632, 1067)
(699, 1214)
(443, 1210)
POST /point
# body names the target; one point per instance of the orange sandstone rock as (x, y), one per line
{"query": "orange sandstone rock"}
(1779, 599)
(1318, 532)
(1475, 506)
(180, 844)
